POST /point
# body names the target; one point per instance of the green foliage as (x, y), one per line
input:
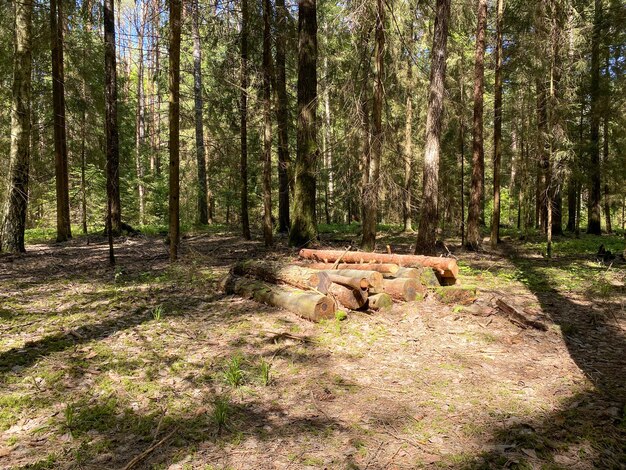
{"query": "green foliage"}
(222, 410)
(265, 370)
(233, 372)
(157, 312)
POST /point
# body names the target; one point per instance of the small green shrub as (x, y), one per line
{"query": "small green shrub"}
(265, 368)
(221, 412)
(157, 312)
(234, 374)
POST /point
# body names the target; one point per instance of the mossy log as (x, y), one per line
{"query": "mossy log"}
(425, 276)
(309, 305)
(350, 298)
(384, 268)
(379, 301)
(446, 266)
(456, 295)
(404, 289)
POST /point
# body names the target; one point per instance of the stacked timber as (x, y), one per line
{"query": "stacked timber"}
(328, 280)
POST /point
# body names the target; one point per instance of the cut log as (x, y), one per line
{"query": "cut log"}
(309, 305)
(352, 299)
(446, 266)
(374, 279)
(425, 276)
(518, 318)
(379, 301)
(404, 289)
(456, 295)
(385, 268)
(275, 272)
(319, 281)
(354, 282)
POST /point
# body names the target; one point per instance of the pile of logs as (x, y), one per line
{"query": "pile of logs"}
(328, 280)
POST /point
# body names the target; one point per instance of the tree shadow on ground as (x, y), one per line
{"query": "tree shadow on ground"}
(589, 429)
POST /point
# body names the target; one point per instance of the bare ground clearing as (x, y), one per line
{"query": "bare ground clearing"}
(98, 365)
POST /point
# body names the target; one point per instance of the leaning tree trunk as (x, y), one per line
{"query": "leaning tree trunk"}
(267, 124)
(174, 123)
(426, 234)
(282, 118)
(370, 193)
(478, 158)
(594, 224)
(64, 231)
(202, 190)
(304, 226)
(497, 129)
(243, 105)
(12, 233)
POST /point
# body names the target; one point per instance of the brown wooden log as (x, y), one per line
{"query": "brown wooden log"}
(353, 282)
(446, 266)
(309, 305)
(319, 281)
(348, 297)
(457, 295)
(379, 301)
(519, 318)
(374, 278)
(385, 268)
(275, 272)
(404, 289)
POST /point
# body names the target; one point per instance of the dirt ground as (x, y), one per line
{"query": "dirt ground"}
(148, 366)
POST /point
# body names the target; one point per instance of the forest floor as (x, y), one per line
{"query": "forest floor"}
(99, 366)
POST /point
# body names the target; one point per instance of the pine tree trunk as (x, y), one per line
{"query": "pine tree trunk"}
(426, 234)
(605, 155)
(478, 159)
(371, 196)
(112, 137)
(202, 190)
(174, 124)
(282, 118)
(408, 145)
(304, 227)
(267, 125)
(140, 116)
(497, 128)
(328, 152)
(12, 233)
(245, 222)
(543, 158)
(64, 231)
(593, 225)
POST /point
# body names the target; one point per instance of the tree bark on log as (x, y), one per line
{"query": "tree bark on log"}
(347, 281)
(404, 289)
(275, 272)
(446, 266)
(350, 298)
(425, 276)
(374, 278)
(385, 268)
(379, 301)
(309, 305)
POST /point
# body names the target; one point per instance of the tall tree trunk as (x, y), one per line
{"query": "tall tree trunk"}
(593, 225)
(140, 114)
(83, 156)
(478, 158)
(267, 124)
(174, 124)
(282, 118)
(245, 222)
(543, 159)
(202, 190)
(605, 154)
(304, 228)
(328, 152)
(64, 231)
(372, 189)
(408, 143)
(114, 214)
(426, 234)
(12, 233)
(497, 128)
(156, 169)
